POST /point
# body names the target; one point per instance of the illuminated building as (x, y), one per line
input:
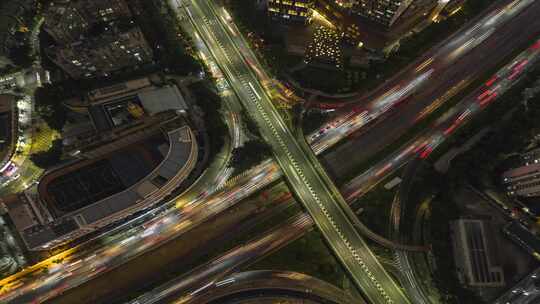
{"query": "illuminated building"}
(524, 180)
(290, 10)
(382, 12)
(68, 21)
(387, 12)
(346, 3)
(101, 56)
(94, 38)
(325, 47)
(345, 24)
(375, 25)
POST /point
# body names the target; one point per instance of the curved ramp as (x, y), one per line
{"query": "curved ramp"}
(253, 286)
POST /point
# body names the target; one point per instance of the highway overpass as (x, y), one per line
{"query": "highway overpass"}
(304, 174)
(277, 286)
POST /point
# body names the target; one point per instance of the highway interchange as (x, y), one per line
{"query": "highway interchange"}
(304, 175)
(206, 275)
(115, 253)
(425, 84)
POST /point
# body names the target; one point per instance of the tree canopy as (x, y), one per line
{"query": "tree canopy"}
(49, 158)
(210, 103)
(249, 155)
(49, 106)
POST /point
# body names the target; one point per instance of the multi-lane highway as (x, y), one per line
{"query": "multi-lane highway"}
(303, 172)
(117, 246)
(420, 147)
(385, 114)
(407, 274)
(455, 118)
(36, 284)
(448, 123)
(78, 265)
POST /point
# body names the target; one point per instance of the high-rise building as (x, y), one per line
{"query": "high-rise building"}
(290, 10)
(100, 56)
(524, 179)
(376, 25)
(339, 18)
(383, 12)
(387, 12)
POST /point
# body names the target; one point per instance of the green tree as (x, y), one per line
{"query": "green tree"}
(49, 106)
(20, 55)
(49, 158)
(171, 43)
(210, 103)
(313, 120)
(249, 155)
(249, 125)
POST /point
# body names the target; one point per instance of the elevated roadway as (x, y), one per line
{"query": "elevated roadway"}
(120, 246)
(424, 144)
(297, 226)
(305, 175)
(382, 116)
(250, 287)
(80, 265)
(408, 277)
(363, 229)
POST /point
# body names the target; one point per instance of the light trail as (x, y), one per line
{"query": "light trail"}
(457, 47)
(13, 289)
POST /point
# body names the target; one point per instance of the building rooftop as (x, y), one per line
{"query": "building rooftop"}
(162, 99)
(19, 213)
(118, 49)
(523, 181)
(473, 251)
(180, 157)
(86, 182)
(68, 21)
(117, 110)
